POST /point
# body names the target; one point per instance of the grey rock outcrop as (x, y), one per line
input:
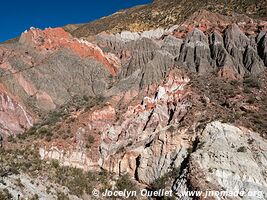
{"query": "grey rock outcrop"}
(238, 45)
(262, 46)
(147, 64)
(164, 153)
(252, 61)
(222, 58)
(195, 53)
(172, 45)
(146, 60)
(229, 159)
(128, 36)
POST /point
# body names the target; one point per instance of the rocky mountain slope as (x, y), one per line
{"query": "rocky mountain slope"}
(161, 13)
(180, 106)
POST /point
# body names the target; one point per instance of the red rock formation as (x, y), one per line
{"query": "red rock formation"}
(14, 118)
(54, 39)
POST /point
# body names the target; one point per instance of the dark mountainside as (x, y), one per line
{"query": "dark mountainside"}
(170, 95)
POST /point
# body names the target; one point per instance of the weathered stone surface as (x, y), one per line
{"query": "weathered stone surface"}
(76, 153)
(262, 46)
(55, 39)
(137, 139)
(148, 64)
(232, 53)
(14, 118)
(132, 36)
(46, 69)
(195, 53)
(238, 46)
(252, 61)
(153, 34)
(224, 62)
(128, 36)
(230, 159)
(142, 139)
(172, 45)
(164, 153)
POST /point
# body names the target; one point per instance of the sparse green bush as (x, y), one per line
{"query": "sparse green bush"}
(90, 141)
(19, 183)
(78, 181)
(242, 149)
(85, 98)
(210, 170)
(124, 182)
(252, 82)
(200, 145)
(251, 100)
(171, 129)
(32, 130)
(62, 196)
(5, 194)
(46, 132)
(234, 82)
(35, 197)
(11, 138)
(72, 178)
(55, 116)
(55, 163)
(28, 160)
(49, 124)
(161, 183)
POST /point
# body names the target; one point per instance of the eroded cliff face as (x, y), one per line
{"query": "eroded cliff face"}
(45, 69)
(227, 158)
(140, 142)
(151, 118)
(15, 119)
(141, 136)
(200, 48)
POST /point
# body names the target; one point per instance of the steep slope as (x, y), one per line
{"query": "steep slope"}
(162, 13)
(46, 69)
(222, 161)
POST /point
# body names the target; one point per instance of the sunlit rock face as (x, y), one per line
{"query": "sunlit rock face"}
(76, 152)
(224, 159)
(56, 39)
(148, 121)
(149, 99)
(134, 140)
(141, 138)
(44, 70)
(232, 49)
(14, 119)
